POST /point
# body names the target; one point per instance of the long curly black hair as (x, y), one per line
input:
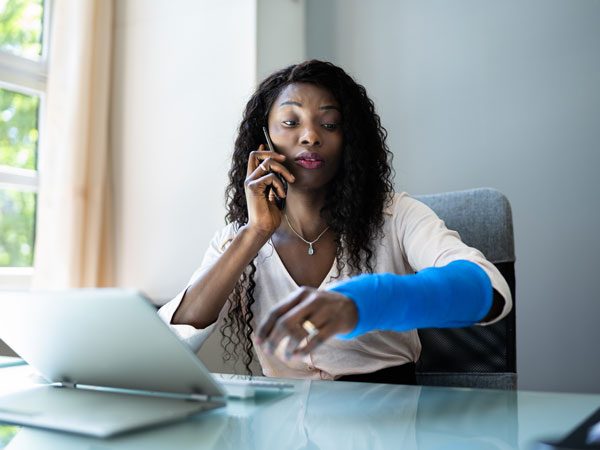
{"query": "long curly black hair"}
(356, 196)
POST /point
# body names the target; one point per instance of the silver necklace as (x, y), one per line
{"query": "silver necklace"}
(310, 244)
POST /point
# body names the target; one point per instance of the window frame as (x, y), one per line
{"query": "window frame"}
(26, 76)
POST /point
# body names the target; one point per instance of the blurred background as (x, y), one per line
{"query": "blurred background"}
(473, 93)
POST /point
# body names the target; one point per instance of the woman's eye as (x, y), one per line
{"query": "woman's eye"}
(289, 123)
(330, 126)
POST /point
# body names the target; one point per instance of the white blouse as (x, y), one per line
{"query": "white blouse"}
(414, 239)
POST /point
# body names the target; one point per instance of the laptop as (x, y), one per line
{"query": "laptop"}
(112, 364)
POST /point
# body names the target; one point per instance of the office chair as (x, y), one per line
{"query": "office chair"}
(475, 356)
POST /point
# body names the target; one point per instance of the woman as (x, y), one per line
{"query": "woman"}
(341, 218)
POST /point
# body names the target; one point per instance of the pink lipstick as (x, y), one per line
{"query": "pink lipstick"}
(310, 160)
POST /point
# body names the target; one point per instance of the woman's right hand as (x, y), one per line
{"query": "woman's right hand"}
(204, 299)
(263, 215)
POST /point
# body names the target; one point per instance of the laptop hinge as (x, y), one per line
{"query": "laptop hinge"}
(190, 397)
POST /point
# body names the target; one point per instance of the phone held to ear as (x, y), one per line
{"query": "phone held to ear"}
(280, 202)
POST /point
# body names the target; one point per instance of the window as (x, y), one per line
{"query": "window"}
(23, 73)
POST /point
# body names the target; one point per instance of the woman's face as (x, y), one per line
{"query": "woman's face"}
(305, 125)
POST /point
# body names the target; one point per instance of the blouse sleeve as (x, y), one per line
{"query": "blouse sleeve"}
(428, 243)
(191, 336)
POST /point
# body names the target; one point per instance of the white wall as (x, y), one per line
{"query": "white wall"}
(183, 70)
(503, 94)
(280, 29)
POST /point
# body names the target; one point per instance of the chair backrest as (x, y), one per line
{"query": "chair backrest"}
(474, 356)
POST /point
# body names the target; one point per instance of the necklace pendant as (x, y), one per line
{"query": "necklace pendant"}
(310, 249)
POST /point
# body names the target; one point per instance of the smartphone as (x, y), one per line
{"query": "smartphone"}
(585, 436)
(280, 202)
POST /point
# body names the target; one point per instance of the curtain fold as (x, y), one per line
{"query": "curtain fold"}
(74, 236)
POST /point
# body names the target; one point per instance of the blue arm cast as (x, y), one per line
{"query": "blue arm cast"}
(456, 295)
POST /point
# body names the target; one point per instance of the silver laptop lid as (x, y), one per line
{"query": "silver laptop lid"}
(101, 337)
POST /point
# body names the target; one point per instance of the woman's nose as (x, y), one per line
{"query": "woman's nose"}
(310, 136)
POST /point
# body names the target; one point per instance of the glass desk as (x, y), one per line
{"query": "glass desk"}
(340, 415)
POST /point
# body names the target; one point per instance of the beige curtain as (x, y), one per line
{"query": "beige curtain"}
(74, 240)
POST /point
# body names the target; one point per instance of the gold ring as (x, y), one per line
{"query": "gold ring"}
(310, 328)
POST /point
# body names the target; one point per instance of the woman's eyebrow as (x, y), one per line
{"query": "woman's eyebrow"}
(291, 102)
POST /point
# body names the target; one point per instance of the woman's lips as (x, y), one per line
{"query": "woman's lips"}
(310, 160)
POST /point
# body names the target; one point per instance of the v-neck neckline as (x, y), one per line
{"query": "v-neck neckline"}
(289, 275)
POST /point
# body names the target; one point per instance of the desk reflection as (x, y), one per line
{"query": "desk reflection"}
(467, 419)
(324, 415)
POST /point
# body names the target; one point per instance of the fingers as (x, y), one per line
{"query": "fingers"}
(325, 332)
(290, 329)
(255, 158)
(261, 185)
(270, 172)
(329, 312)
(261, 162)
(298, 346)
(266, 326)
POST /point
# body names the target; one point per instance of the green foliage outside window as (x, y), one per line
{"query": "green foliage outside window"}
(21, 27)
(20, 34)
(18, 129)
(17, 228)
(18, 148)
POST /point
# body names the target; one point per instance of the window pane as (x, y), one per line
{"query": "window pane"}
(18, 129)
(21, 27)
(17, 227)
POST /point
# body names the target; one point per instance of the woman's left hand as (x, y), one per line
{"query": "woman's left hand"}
(306, 313)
